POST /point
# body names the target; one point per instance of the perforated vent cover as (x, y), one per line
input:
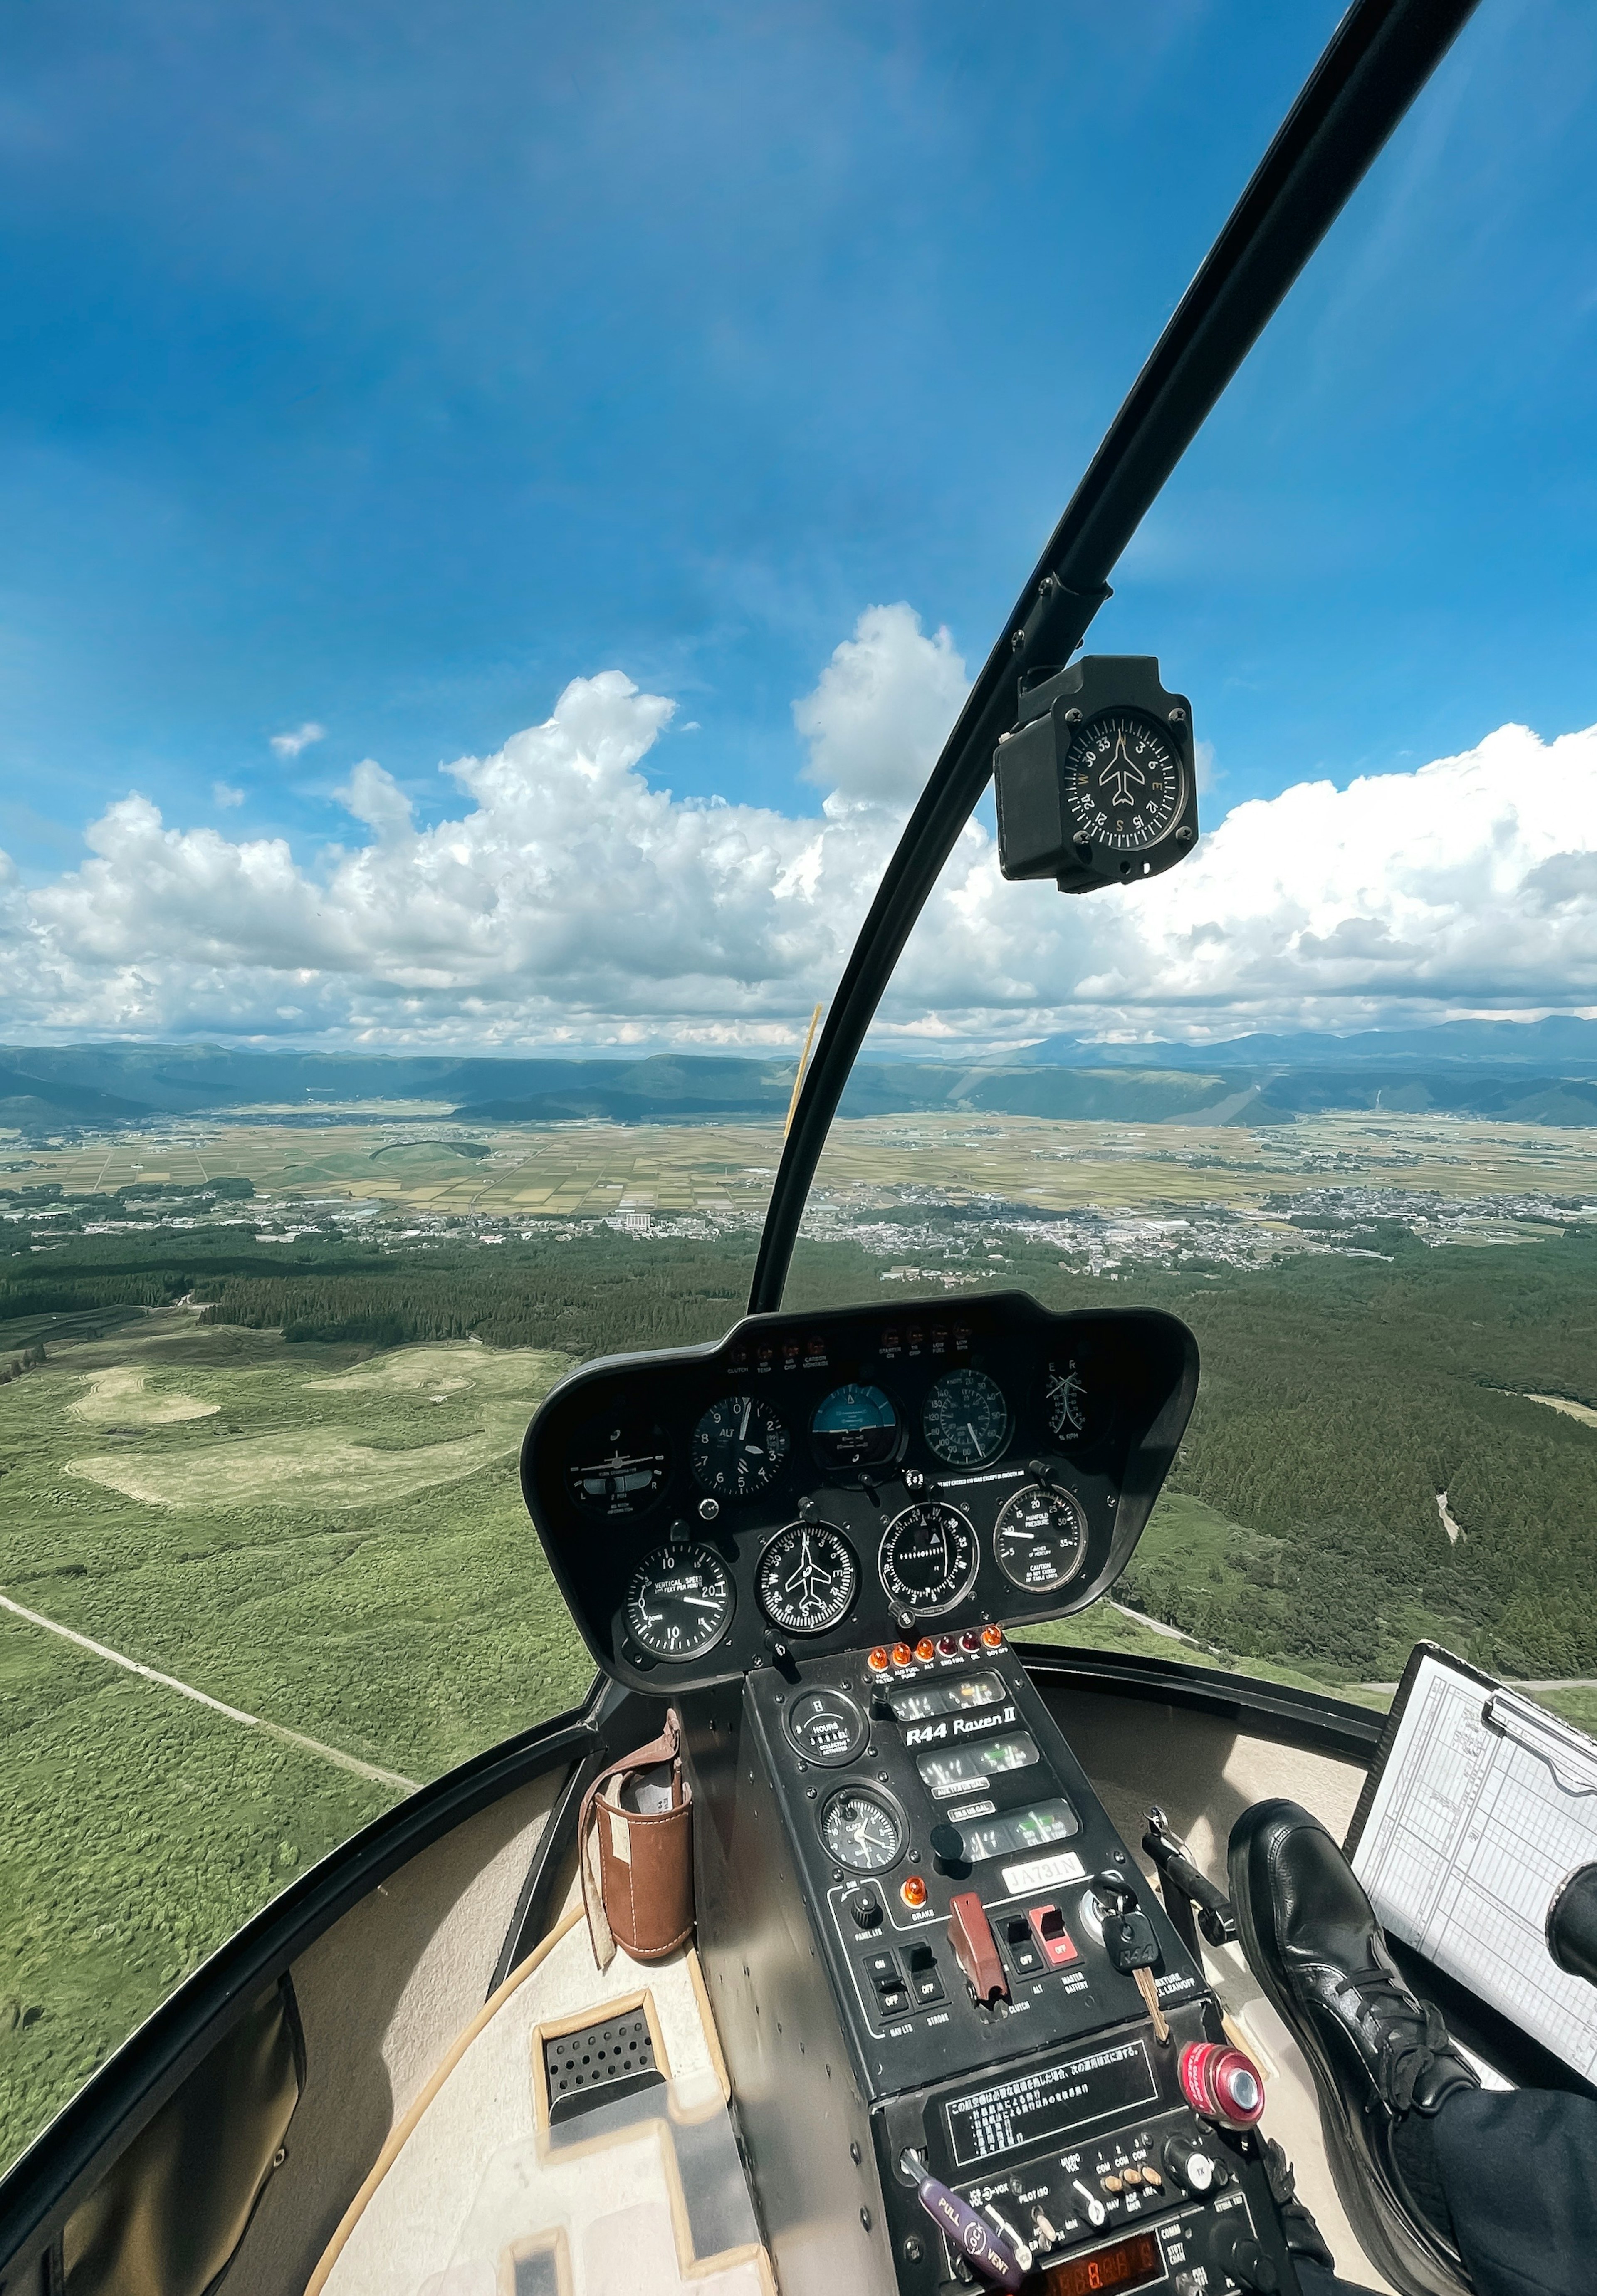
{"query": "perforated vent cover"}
(603, 2062)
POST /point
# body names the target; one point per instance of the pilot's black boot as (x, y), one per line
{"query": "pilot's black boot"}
(1381, 2059)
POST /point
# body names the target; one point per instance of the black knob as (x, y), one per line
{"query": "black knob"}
(947, 1849)
(1191, 2165)
(864, 1910)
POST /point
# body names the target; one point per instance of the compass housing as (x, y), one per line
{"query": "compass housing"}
(1097, 785)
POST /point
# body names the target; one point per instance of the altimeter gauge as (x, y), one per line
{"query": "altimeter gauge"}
(807, 1578)
(1039, 1539)
(928, 1558)
(966, 1420)
(862, 1830)
(680, 1602)
(739, 1447)
(1125, 786)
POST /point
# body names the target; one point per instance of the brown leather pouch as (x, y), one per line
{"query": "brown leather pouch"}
(635, 1836)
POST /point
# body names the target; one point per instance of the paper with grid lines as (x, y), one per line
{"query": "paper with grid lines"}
(1472, 1827)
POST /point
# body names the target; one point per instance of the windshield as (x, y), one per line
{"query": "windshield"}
(500, 533)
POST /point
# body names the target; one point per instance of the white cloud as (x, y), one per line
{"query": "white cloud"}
(882, 709)
(288, 745)
(564, 899)
(223, 794)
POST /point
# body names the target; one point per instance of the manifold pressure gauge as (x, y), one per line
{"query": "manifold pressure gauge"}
(1096, 784)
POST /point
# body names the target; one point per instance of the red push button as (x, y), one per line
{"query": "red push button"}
(1221, 2085)
(1048, 1928)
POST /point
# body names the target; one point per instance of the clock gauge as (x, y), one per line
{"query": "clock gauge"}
(680, 1602)
(1125, 785)
(807, 1578)
(740, 1446)
(862, 1830)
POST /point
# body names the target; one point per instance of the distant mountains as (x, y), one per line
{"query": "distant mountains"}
(1541, 1072)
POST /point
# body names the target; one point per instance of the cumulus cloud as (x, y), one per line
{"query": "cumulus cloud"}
(882, 709)
(566, 899)
(288, 745)
(223, 795)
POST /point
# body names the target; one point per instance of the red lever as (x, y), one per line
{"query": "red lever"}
(970, 1934)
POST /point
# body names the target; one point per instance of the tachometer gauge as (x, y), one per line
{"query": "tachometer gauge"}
(1123, 783)
(966, 1419)
(1039, 1539)
(928, 1558)
(807, 1578)
(616, 1465)
(856, 1426)
(680, 1602)
(739, 1447)
(1069, 1404)
(862, 1830)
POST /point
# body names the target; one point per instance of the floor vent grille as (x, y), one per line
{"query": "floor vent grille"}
(605, 2061)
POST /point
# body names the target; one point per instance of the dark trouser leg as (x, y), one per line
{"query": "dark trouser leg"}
(1316, 2280)
(1520, 2170)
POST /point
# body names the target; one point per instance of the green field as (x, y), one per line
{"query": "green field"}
(269, 1501)
(586, 1171)
(335, 1545)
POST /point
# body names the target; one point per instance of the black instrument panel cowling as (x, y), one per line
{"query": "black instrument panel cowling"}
(631, 1455)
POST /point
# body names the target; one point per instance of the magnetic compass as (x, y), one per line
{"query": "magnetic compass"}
(1123, 783)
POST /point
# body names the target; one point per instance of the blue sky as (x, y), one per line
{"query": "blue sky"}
(384, 371)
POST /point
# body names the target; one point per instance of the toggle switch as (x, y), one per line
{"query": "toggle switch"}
(1048, 1927)
(970, 1934)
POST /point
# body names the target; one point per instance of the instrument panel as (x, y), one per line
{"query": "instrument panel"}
(815, 1481)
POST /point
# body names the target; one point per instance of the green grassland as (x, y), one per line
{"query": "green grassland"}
(307, 1507)
(334, 1544)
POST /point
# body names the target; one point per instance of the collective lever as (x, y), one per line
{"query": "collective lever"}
(970, 1934)
(983, 2247)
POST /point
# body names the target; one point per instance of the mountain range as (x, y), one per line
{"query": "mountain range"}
(1542, 1072)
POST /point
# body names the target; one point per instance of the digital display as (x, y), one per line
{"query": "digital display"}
(961, 1695)
(1036, 2107)
(957, 1768)
(1129, 2263)
(1020, 1829)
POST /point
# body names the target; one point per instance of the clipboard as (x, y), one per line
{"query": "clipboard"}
(1477, 1805)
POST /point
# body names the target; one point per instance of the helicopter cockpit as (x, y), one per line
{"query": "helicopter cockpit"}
(857, 1931)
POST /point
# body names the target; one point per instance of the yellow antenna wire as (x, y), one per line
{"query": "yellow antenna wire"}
(815, 1023)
